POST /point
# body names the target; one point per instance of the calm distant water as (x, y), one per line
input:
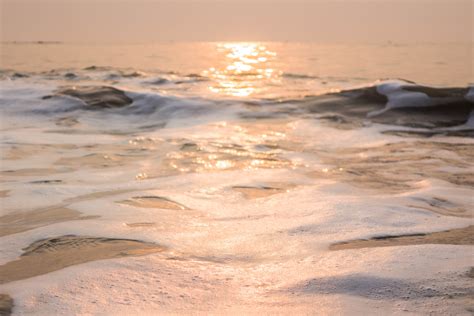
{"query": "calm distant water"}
(259, 69)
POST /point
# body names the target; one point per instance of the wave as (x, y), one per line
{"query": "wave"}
(428, 110)
(95, 97)
(400, 103)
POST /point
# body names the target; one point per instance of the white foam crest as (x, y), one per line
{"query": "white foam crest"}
(400, 98)
(470, 95)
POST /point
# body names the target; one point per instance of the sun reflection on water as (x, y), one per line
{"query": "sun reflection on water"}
(247, 69)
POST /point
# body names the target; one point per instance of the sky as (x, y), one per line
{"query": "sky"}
(234, 20)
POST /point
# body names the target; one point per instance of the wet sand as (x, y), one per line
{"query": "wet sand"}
(255, 192)
(16, 222)
(154, 202)
(27, 172)
(6, 305)
(462, 236)
(67, 121)
(96, 195)
(48, 255)
(22, 221)
(442, 207)
(144, 224)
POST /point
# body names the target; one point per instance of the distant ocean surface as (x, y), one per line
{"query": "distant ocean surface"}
(297, 68)
(257, 168)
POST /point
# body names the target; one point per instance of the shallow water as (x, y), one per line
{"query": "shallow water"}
(243, 163)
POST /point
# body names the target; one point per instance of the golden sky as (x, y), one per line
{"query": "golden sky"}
(234, 20)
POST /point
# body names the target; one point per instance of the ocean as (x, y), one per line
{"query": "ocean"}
(236, 178)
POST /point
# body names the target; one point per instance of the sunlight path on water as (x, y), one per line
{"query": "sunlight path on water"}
(247, 71)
